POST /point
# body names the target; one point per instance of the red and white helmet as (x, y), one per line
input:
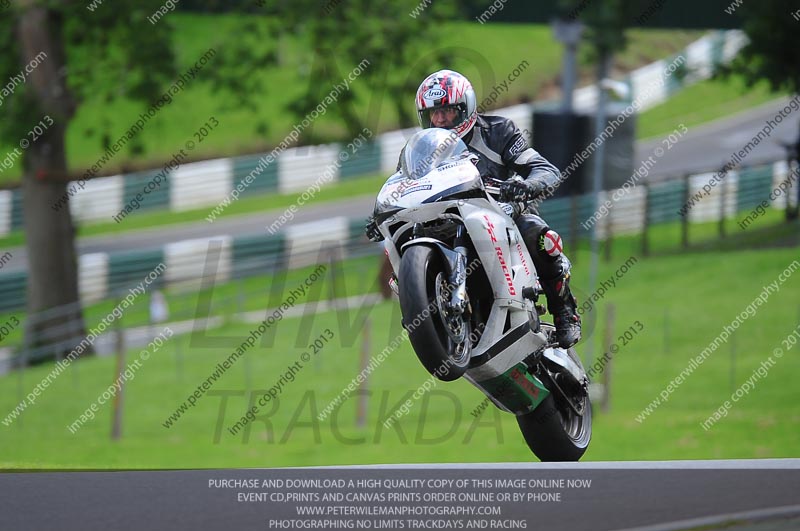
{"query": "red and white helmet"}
(447, 89)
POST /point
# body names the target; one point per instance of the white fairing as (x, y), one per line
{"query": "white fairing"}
(406, 193)
(497, 240)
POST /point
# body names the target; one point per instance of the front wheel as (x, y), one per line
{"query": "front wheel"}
(440, 338)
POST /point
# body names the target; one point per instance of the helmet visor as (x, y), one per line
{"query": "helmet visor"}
(443, 116)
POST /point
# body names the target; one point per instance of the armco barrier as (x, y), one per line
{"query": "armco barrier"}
(299, 245)
(190, 261)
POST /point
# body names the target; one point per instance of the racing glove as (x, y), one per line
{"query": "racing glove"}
(514, 190)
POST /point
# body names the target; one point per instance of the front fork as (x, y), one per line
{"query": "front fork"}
(458, 277)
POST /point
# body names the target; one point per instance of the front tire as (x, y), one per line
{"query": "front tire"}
(430, 329)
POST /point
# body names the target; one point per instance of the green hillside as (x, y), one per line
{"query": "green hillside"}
(483, 52)
(701, 103)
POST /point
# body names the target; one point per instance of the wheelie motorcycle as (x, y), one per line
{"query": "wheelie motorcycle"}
(468, 294)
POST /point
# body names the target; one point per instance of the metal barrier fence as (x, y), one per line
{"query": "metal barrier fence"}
(205, 296)
(687, 199)
(632, 210)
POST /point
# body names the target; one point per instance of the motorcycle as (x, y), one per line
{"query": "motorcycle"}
(468, 294)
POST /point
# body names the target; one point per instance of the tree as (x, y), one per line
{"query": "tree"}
(80, 53)
(772, 53)
(111, 50)
(401, 49)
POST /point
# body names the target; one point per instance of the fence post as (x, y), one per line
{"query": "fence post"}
(646, 224)
(609, 237)
(608, 336)
(573, 224)
(792, 166)
(240, 296)
(248, 371)
(333, 259)
(796, 184)
(21, 362)
(119, 346)
(178, 358)
(685, 217)
(733, 363)
(361, 413)
(722, 192)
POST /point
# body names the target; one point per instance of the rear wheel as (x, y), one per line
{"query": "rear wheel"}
(561, 427)
(440, 337)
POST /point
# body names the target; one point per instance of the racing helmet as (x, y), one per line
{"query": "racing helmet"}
(447, 89)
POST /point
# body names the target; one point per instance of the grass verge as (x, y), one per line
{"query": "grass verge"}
(682, 302)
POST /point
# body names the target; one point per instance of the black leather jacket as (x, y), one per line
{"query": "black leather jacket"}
(501, 147)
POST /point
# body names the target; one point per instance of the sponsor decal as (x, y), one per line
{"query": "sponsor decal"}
(523, 382)
(447, 166)
(500, 258)
(415, 189)
(522, 259)
(517, 147)
(434, 93)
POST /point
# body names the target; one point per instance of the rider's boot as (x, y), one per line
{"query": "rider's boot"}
(564, 308)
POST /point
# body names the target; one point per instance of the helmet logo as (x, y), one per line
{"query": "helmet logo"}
(434, 93)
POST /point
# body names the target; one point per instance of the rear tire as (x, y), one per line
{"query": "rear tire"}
(553, 435)
(421, 274)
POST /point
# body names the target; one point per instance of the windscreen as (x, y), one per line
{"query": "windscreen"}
(428, 149)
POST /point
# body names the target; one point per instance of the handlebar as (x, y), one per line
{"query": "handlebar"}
(512, 209)
(492, 186)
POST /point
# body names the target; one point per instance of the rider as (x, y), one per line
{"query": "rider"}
(447, 100)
